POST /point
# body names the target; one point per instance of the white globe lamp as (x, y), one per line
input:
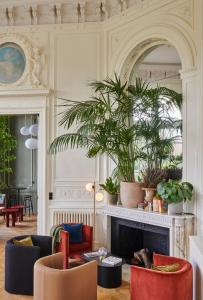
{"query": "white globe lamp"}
(33, 130)
(89, 186)
(99, 197)
(31, 144)
(24, 130)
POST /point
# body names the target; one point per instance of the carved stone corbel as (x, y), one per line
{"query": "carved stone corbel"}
(34, 14)
(105, 9)
(58, 9)
(10, 15)
(82, 11)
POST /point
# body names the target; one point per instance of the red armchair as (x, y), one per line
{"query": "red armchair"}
(147, 284)
(74, 250)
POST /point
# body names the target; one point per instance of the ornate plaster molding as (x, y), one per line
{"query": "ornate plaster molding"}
(33, 12)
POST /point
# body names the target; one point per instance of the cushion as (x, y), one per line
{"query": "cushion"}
(75, 232)
(167, 268)
(80, 247)
(24, 242)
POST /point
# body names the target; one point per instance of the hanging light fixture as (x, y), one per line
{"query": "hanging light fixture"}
(31, 143)
(33, 129)
(24, 130)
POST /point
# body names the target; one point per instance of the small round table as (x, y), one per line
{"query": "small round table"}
(108, 276)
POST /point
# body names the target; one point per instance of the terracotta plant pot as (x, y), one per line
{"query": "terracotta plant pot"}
(110, 199)
(131, 194)
(149, 194)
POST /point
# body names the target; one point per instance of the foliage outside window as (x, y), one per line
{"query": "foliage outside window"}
(8, 144)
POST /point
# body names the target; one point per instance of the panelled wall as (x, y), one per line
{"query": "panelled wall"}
(72, 55)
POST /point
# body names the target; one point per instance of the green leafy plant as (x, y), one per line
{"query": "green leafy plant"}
(175, 191)
(8, 144)
(110, 186)
(125, 123)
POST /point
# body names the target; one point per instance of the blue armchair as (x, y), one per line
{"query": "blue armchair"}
(19, 263)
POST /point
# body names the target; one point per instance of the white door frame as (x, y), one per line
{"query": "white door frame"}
(35, 101)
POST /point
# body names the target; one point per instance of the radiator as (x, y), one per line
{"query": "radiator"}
(73, 217)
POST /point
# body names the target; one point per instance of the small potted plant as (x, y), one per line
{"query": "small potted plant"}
(111, 191)
(150, 178)
(174, 193)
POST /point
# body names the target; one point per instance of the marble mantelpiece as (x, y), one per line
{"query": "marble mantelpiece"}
(180, 226)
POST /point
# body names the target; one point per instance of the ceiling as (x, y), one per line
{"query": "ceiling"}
(163, 55)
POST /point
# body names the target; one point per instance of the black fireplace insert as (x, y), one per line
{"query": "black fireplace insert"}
(128, 237)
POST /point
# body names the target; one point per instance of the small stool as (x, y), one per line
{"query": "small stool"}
(20, 211)
(10, 211)
(27, 202)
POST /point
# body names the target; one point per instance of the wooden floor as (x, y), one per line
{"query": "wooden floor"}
(29, 227)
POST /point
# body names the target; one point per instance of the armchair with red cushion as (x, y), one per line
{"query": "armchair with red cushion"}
(155, 285)
(74, 250)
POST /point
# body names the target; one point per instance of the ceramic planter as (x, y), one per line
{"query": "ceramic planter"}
(131, 194)
(175, 208)
(110, 199)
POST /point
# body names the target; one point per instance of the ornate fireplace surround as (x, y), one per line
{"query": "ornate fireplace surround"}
(180, 226)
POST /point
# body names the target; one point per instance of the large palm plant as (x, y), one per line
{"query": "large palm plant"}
(119, 121)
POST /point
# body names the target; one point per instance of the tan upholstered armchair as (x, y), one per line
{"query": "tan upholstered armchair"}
(52, 282)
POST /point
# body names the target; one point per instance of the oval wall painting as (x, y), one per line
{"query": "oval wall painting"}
(12, 63)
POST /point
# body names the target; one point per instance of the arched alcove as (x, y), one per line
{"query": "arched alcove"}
(134, 46)
(143, 38)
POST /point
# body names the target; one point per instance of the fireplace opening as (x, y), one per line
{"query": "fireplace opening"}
(128, 237)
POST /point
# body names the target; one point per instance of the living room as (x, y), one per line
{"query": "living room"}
(115, 88)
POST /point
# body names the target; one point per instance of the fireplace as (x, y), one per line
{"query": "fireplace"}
(128, 237)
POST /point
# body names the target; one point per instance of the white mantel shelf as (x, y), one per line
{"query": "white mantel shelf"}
(153, 218)
(180, 226)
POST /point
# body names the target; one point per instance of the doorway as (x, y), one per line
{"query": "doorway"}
(34, 102)
(19, 173)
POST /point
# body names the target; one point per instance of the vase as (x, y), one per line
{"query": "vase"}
(175, 208)
(110, 199)
(149, 194)
(131, 194)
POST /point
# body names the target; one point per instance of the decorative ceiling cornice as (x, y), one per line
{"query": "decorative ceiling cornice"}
(37, 12)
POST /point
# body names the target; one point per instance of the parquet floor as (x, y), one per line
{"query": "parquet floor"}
(29, 227)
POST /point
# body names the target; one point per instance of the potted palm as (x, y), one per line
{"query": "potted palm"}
(118, 121)
(175, 193)
(110, 188)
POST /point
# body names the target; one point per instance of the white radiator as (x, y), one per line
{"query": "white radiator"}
(73, 217)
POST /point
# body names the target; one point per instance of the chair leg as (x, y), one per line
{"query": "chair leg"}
(32, 208)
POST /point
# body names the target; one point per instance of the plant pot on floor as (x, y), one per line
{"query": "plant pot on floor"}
(175, 208)
(110, 199)
(131, 194)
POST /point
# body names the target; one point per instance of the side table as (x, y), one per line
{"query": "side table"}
(10, 211)
(108, 276)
